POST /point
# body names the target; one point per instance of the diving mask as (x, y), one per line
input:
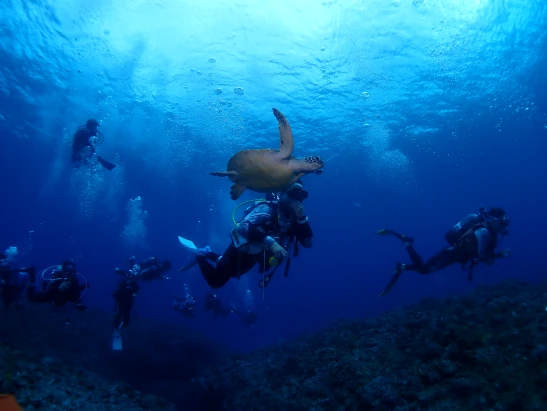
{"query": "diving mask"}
(297, 192)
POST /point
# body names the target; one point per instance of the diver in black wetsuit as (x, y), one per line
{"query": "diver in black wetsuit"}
(248, 317)
(62, 287)
(84, 142)
(214, 305)
(185, 304)
(150, 269)
(472, 240)
(124, 296)
(270, 230)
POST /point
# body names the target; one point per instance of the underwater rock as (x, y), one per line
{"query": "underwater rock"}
(485, 350)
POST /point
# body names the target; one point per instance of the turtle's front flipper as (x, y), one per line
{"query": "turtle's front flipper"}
(285, 134)
(236, 190)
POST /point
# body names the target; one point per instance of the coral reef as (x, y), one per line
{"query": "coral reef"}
(482, 351)
(158, 359)
(50, 385)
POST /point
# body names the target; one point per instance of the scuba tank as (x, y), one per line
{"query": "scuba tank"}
(455, 233)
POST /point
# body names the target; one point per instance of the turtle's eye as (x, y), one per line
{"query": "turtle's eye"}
(313, 159)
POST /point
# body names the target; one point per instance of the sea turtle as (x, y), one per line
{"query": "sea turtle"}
(268, 170)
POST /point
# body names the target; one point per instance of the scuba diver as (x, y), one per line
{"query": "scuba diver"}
(185, 304)
(472, 240)
(124, 295)
(13, 281)
(84, 143)
(213, 304)
(270, 230)
(60, 288)
(247, 317)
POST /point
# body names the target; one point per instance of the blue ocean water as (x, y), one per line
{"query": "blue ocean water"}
(423, 111)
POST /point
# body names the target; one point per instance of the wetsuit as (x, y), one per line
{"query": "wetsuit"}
(124, 296)
(478, 244)
(81, 140)
(213, 304)
(263, 223)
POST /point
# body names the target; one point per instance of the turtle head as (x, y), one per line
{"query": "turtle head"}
(313, 163)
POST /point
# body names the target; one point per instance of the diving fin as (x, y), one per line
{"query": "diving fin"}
(384, 231)
(396, 275)
(116, 341)
(105, 164)
(189, 265)
(188, 244)
(405, 239)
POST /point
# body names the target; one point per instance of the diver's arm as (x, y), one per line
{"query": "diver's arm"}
(501, 254)
(251, 227)
(123, 273)
(303, 232)
(81, 139)
(483, 238)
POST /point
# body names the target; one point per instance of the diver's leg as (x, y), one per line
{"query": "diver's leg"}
(127, 315)
(447, 256)
(215, 278)
(417, 261)
(211, 256)
(117, 317)
(405, 239)
(226, 268)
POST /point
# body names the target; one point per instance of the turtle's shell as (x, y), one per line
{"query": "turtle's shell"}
(262, 170)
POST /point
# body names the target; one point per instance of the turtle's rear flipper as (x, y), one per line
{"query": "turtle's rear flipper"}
(236, 190)
(224, 173)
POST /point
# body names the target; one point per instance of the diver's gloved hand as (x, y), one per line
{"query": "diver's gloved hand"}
(64, 286)
(80, 307)
(506, 253)
(278, 251)
(297, 207)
